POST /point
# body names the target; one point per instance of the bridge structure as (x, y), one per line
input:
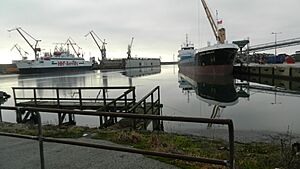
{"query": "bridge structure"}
(273, 45)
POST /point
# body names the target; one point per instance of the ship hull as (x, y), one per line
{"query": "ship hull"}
(216, 60)
(53, 69)
(52, 65)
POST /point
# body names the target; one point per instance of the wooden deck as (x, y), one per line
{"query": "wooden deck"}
(125, 102)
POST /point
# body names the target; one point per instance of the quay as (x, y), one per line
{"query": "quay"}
(284, 71)
(8, 68)
(102, 99)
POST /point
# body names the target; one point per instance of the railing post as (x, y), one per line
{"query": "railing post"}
(152, 105)
(158, 94)
(57, 98)
(40, 138)
(0, 115)
(126, 108)
(58, 106)
(34, 94)
(80, 98)
(104, 97)
(231, 145)
(104, 104)
(133, 95)
(15, 98)
(145, 112)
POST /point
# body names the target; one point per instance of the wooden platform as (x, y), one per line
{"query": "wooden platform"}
(125, 103)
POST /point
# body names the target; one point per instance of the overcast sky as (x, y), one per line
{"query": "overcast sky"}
(158, 26)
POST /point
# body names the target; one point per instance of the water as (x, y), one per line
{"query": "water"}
(261, 112)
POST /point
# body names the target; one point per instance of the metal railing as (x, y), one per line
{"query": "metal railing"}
(41, 139)
(124, 98)
(79, 90)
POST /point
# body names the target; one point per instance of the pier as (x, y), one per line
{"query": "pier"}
(102, 99)
(284, 71)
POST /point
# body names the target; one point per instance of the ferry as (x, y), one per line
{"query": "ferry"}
(61, 60)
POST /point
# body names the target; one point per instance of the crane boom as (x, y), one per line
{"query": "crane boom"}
(219, 33)
(34, 48)
(129, 48)
(19, 49)
(102, 49)
(72, 43)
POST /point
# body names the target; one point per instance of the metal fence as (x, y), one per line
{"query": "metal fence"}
(41, 139)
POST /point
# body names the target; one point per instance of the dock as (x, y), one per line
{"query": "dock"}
(125, 63)
(102, 99)
(8, 68)
(284, 71)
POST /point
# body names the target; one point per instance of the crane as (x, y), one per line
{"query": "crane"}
(102, 48)
(20, 50)
(219, 33)
(33, 47)
(129, 49)
(71, 42)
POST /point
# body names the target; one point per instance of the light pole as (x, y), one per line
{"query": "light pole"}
(275, 34)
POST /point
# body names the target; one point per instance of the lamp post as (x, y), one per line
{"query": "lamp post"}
(275, 34)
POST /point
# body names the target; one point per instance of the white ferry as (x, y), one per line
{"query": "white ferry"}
(58, 61)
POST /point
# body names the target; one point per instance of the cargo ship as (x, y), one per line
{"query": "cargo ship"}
(216, 59)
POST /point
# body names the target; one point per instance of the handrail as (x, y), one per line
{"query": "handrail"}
(144, 98)
(42, 139)
(57, 89)
(120, 98)
(71, 88)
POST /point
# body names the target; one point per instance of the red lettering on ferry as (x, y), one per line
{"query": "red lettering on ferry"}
(67, 63)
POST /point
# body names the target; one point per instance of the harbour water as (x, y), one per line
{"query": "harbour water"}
(261, 114)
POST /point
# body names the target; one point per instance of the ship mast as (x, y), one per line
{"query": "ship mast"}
(102, 48)
(34, 48)
(219, 33)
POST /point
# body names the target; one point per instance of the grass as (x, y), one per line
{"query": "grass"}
(248, 155)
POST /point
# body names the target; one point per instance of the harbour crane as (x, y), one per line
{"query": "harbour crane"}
(129, 49)
(33, 47)
(71, 42)
(20, 50)
(219, 33)
(101, 48)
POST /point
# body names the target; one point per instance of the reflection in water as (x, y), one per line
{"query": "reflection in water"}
(214, 90)
(256, 114)
(52, 80)
(141, 71)
(137, 72)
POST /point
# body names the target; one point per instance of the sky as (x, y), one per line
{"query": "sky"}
(158, 26)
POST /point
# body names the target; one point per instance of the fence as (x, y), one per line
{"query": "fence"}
(41, 139)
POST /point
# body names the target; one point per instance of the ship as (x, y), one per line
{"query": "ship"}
(60, 60)
(214, 59)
